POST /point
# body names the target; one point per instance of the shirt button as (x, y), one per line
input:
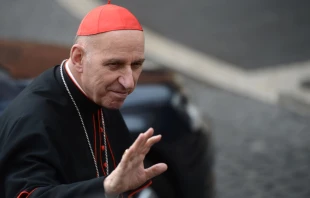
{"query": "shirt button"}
(102, 148)
(101, 129)
(105, 164)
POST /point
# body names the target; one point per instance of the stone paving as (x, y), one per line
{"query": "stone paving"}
(262, 150)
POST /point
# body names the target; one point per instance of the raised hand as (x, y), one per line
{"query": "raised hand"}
(130, 173)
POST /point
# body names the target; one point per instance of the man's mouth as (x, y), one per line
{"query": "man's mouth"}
(120, 94)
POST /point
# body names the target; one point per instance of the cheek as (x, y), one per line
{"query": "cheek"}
(102, 82)
(99, 84)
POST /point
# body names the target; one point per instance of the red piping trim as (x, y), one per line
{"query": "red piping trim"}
(110, 150)
(100, 145)
(139, 189)
(25, 194)
(95, 138)
(109, 147)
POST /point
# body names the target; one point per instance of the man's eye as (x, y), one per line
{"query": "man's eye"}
(112, 64)
(137, 65)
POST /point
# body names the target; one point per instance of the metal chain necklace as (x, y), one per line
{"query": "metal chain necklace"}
(105, 144)
(82, 122)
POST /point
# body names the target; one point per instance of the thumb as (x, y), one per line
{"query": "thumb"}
(155, 170)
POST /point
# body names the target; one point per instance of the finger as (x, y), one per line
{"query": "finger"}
(155, 170)
(149, 132)
(125, 152)
(133, 149)
(153, 140)
(128, 155)
(142, 139)
(139, 142)
(150, 142)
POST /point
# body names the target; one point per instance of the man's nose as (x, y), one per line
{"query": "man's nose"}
(126, 80)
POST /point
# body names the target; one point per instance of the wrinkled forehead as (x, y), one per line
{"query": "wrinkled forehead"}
(124, 46)
(120, 40)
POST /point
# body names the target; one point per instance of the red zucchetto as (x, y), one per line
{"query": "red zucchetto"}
(107, 18)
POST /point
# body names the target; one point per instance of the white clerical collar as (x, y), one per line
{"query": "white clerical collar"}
(72, 77)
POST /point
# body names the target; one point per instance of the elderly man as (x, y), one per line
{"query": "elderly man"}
(64, 136)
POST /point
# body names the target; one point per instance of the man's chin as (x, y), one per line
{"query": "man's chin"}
(114, 105)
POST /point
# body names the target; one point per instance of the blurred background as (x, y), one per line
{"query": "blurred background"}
(244, 64)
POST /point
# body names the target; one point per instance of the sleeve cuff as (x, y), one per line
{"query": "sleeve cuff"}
(135, 191)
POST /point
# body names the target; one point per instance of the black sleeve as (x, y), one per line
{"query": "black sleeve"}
(30, 165)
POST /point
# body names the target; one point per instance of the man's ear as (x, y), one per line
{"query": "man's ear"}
(77, 55)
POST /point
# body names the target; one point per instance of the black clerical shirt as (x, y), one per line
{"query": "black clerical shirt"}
(43, 147)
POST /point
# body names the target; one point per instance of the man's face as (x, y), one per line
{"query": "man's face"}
(112, 67)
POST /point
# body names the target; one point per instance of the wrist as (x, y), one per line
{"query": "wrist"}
(110, 189)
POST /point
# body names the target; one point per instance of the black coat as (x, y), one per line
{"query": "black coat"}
(43, 147)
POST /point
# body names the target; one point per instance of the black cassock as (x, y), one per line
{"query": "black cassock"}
(43, 147)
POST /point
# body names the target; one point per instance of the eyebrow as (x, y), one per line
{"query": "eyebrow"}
(121, 61)
(115, 60)
(139, 61)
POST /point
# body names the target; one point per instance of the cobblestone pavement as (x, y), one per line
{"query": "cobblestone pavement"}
(262, 151)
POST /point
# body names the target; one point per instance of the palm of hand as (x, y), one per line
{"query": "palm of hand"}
(130, 173)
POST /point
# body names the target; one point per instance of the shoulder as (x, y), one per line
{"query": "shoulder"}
(43, 99)
(35, 110)
(31, 106)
